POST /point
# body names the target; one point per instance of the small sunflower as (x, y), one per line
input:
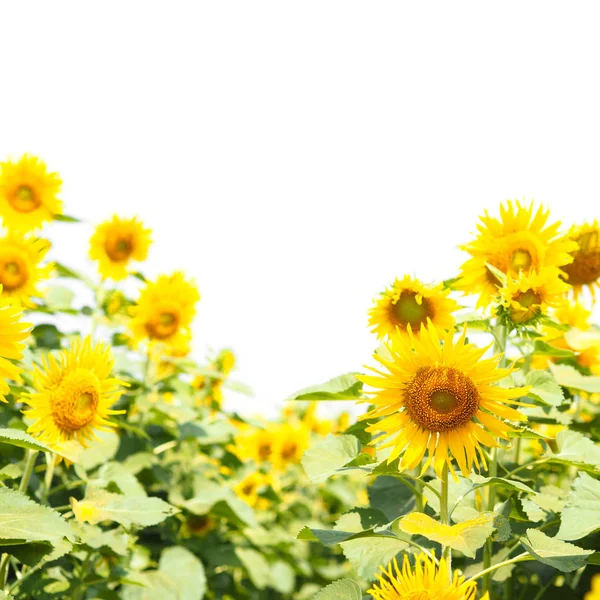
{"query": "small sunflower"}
(14, 332)
(525, 299)
(290, 444)
(20, 267)
(250, 488)
(28, 193)
(410, 302)
(584, 271)
(426, 581)
(74, 393)
(437, 399)
(255, 444)
(594, 593)
(521, 240)
(118, 242)
(164, 310)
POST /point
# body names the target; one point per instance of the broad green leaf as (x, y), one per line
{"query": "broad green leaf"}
(344, 589)
(392, 497)
(150, 585)
(544, 388)
(544, 349)
(553, 552)
(60, 298)
(10, 471)
(571, 378)
(99, 451)
(256, 565)
(575, 448)
(22, 518)
(283, 578)
(467, 537)
(29, 554)
(16, 437)
(581, 516)
(323, 459)
(186, 571)
(481, 481)
(344, 387)
(114, 472)
(94, 537)
(550, 498)
(65, 218)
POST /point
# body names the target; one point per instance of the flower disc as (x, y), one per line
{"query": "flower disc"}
(584, 271)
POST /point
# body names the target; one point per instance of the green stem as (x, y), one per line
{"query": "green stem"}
(50, 464)
(543, 590)
(520, 558)
(445, 519)
(82, 573)
(540, 461)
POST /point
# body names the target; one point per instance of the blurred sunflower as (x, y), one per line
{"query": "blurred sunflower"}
(164, 310)
(521, 240)
(250, 488)
(74, 393)
(410, 302)
(426, 581)
(20, 268)
(254, 444)
(584, 271)
(594, 593)
(28, 193)
(118, 242)
(290, 444)
(14, 332)
(437, 399)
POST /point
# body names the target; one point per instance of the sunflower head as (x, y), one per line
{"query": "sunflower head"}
(28, 193)
(410, 303)
(164, 310)
(251, 487)
(73, 394)
(291, 441)
(439, 399)
(14, 332)
(21, 270)
(521, 240)
(117, 243)
(584, 271)
(426, 581)
(255, 444)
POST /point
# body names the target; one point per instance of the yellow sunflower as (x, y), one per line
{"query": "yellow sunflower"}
(74, 393)
(250, 488)
(525, 299)
(426, 581)
(584, 271)
(255, 444)
(437, 399)
(291, 442)
(164, 310)
(28, 193)
(20, 267)
(13, 333)
(594, 593)
(410, 302)
(116, 243)
(520, 240)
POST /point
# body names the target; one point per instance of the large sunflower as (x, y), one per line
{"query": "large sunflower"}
(13, 332)
(437, 399)
(118, 242)
(20, 267)
(74, 393)
(521, 240)
(584, 271)
(410, 302)
(28, 193)
(164, 310)
(426, 581)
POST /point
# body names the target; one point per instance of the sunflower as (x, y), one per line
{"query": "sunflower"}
(426, 581)
(290, 444)
(525, 299)
(164, 310)
(584, 271)
(437, 398)
(250, 488)
(28, 193)
(521, 240)
(116, 243)
(74, 393)
(255, 444)
(410, 302)
(14, 332)
(20, 268)
(594, 593)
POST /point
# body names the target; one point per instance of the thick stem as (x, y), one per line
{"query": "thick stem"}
(445, 519)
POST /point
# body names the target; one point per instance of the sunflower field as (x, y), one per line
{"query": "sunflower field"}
(473, 471)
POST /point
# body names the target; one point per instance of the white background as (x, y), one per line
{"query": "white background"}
(294, 157)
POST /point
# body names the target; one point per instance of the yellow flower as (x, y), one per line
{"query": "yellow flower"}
(250, 488)
(74, 393)
(116, 243)
(426, 581)
(528, 297)
(410, 302)
(572, 314)
(594, 593)
(20, 268)
(584, 271)
(11, 345)
(255, 444)
(225, 361)
(290, 444)
(437, 398)
(521, 240)
(28, 193)
(165, 310)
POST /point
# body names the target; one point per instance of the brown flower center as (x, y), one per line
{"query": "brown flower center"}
(585, 268)
(119, 249)
(407, 311)
(520, 260)
(13, 273)
(264, 450)
(530, 303)
(75, 400)
(24, 199)
(441, 398)
(163, 325)
(289, 449)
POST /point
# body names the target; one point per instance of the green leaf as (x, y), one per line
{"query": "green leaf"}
(344, 387)
(283, 578)
(150, 585)
(576, 449)
(344, 589)
(60, 298)
(10, 471)
(65, 218)
(481, 481)
(99, 451)
(29, 554)
(94, 537)
(113, 472)
(544, 388)
(460, 502)
(16, 437)
(545, 349)
(323, 459)
(256, 565)
(22, 518)
(497, 273)
(391, 496)
(581, 515)
(570, 377)
(553, 552)
(47, 336)
(186, 571)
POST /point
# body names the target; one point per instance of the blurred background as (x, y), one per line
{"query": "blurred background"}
(295, 157)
